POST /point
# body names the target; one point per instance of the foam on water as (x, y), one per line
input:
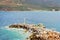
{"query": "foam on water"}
(13, 34)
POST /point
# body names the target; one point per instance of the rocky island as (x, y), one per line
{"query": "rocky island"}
(38, 31)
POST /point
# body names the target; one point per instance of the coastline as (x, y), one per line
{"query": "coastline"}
(38, 32)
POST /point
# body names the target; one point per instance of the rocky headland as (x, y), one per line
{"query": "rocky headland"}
(38, 32)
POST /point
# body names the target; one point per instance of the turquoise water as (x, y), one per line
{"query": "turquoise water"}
(49, 19)
(13, 34)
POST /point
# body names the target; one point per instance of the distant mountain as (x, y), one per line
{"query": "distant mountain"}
(33, 4)
(47, 3)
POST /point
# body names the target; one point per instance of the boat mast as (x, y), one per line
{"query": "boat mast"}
(24, 21)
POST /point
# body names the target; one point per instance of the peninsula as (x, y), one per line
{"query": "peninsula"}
(39, 31)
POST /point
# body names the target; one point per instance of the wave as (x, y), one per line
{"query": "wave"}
(13, 33)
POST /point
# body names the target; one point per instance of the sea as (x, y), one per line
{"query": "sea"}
(50, 19)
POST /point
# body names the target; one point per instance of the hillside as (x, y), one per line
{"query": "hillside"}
(24, 5)
(12, 5)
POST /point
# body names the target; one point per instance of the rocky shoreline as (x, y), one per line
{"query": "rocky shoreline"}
(39, 32)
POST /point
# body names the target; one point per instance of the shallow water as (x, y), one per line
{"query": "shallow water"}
(13, 34)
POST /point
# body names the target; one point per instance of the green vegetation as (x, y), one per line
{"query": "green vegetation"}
(21, 8)
(23, 5)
